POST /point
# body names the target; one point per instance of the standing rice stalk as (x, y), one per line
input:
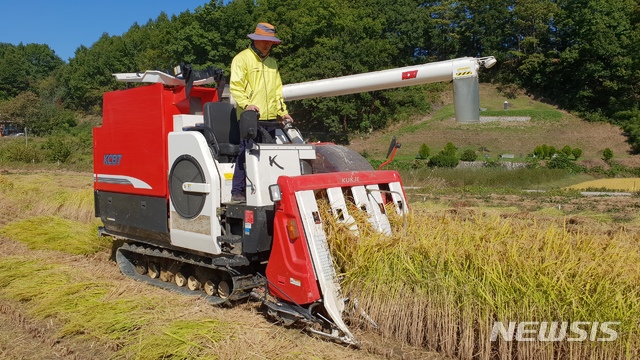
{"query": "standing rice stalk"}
(444, 284)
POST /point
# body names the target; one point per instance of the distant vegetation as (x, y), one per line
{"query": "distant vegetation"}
(580, 54)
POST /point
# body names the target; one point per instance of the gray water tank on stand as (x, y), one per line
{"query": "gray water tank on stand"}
(466, 99)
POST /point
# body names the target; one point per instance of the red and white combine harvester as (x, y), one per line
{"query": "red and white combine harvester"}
(164, 159)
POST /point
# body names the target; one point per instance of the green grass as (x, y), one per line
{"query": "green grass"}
(536, 115)
(495, 179)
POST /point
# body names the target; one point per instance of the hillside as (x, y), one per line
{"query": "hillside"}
(548, 125)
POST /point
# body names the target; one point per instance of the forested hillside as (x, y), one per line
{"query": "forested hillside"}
(581, 55)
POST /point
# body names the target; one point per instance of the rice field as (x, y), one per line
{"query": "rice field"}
(440, 283)
(454, 274)
(622, 184)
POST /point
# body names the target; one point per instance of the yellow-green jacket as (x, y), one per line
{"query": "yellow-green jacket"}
(256, 81)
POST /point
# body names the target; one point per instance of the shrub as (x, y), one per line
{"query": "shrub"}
(533, 162)
(560, 161)
(493, 163)
(418, 164)
(539, 152)
(469, 155)
(450, 149)
(424, 152)
(446, 158)
(58, 148)
(17, 151)
(576, 152)
(443, 160)
(607, 154)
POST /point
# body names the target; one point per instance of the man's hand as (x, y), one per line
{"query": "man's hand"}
(287, 118)
(252, 108)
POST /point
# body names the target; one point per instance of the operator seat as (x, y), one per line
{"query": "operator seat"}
(221, 118)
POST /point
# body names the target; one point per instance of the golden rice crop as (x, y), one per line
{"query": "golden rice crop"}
(444, 283)
(54, 233)
(48, 194)
(134, 325)
(622, 184)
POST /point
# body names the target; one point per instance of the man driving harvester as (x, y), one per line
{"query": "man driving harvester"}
(255, 85)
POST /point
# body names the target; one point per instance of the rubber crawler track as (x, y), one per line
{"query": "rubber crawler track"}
(131, 255)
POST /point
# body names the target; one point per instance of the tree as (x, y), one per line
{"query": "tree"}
(592, 68)
(445, 158)
(607, 154)
(551, 150)
(483, 26)
(23, 109)
(566, 150)
(423, 152)
(23, 67)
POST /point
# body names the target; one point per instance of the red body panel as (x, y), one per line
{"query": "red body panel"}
(290, 267)
(132, 141)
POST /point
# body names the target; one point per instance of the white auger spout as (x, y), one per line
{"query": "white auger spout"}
(463, 72)
(388, 79)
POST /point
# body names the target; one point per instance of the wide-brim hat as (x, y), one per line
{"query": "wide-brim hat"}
(265, 31)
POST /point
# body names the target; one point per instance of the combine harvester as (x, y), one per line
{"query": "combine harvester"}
(164, 159)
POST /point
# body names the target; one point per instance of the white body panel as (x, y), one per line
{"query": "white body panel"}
(266, 162)
(224, 170)
(370, 202)
(397, 194)
(182, 121)
(322, 262)
(201, 232)
(339, 209)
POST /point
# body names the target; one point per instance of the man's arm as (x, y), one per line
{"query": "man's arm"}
(238, 84)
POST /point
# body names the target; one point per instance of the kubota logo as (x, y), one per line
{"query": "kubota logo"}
(112, 159)
(555, 331)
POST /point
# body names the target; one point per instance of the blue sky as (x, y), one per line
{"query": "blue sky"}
(64, 25)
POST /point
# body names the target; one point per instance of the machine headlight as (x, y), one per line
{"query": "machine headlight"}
(274, 192)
